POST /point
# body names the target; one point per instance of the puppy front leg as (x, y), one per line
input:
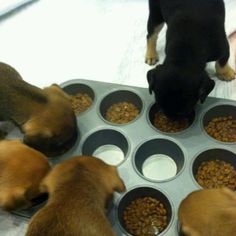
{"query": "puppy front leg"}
(154, 26)
(223, 69)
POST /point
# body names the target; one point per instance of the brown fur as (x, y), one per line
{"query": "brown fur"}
(45, 116)
(79, 189)
(21, 171)
(209, 213)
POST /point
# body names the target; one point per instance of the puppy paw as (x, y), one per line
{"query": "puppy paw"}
(225, 73)
(151, 58)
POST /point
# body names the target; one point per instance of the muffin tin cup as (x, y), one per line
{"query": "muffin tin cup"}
(140, 192)
(211, 155)
(215, 111)
(154, 108)
(73, 89)
(136, 141)
(110, 145)
(159, 155)
(119, 96)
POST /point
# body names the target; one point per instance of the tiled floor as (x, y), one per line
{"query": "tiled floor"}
(53, 41)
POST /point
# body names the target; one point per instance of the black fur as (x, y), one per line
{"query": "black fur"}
(195, 35)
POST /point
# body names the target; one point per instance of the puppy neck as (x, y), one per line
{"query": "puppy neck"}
(18, 100)
(183, 54)
(88, 189)
(185, 42)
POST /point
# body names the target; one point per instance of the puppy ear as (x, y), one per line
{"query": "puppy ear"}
(56, 85)
(43, 187)
(206, 87)
(152, 78)
(118, 183)
(59, 90)
(120, 187)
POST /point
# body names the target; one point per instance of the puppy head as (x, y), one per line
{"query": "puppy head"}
(22, 169)
(176, 91)
(80, 168)
(52, 129)
(108, 174)
(14, 198)
(203, 212)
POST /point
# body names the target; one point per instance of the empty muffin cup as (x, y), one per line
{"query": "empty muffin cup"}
(215, 168)
(121, 107)
(82, 97)
(108, 145)
(158, 159)
(220, 123)
(162, 123)
(144, 211)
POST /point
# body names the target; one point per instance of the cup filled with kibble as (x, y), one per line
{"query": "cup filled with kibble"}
(164, 124)
(220, 123)
(121, 107)
(144, 211)
(215, 168)
(81, 96)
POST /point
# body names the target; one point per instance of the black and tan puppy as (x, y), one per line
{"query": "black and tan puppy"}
(45, 116)
(195, 35)
(209, 212)
(21, 171)
(78, 189)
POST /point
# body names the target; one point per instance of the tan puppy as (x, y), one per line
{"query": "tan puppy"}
(45, 116)
(209, 212)
(78, 192)
(21, 171)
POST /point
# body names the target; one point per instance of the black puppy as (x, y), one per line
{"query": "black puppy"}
(195, 35)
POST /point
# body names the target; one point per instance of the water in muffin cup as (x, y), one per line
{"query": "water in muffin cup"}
(159, 167)
(110, 154)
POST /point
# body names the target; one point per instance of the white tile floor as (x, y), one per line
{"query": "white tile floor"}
(55, 40)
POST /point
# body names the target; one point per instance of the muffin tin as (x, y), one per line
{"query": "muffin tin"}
(139, 149)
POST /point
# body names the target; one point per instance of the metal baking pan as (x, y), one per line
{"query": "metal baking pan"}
(130, 146)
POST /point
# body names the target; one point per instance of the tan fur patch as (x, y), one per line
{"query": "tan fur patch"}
(204, 213)
(22, 169)
(151, 54)
(78, 191)
(224, 73)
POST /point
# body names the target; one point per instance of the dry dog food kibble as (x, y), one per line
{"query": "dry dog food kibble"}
(81, 102)
(122, 112)
(145, 216)
(222, 129)
(216, 174)
(165, 124)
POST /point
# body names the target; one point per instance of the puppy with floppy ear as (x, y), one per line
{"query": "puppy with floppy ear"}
(192, 40)
(208, 212)
(177, 96)
(79, 189)
(45, 116)
(21, 171)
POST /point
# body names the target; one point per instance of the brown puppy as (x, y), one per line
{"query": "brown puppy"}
(21, 170)
(45, 116)
(78, 192)
(209, 212)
